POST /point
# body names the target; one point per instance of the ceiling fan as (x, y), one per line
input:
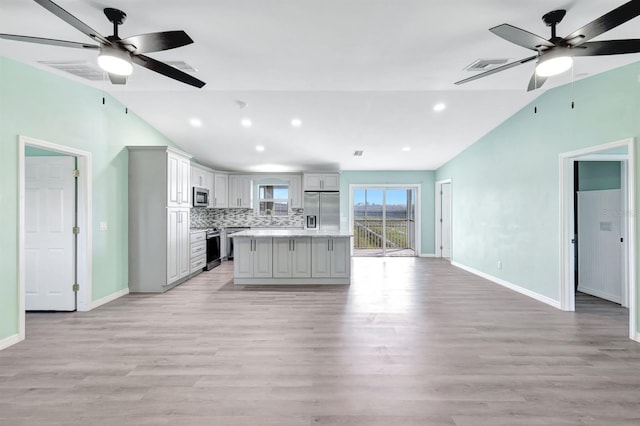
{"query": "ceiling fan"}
(555, 55)
(117, 54)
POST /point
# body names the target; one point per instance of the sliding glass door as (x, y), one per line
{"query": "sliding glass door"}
(384, 221)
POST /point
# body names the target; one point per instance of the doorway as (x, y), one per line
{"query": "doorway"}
(623, 152)
(384, 220)
(28, 223)
(443, 219)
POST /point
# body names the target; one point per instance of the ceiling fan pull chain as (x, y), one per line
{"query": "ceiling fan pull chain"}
(572, 82)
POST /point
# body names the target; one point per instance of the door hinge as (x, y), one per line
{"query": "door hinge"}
(440, 220)
(76, 173)
(621, 240)
(76, 230)
(76, 287)
(440, 247)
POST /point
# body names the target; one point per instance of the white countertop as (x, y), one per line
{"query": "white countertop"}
(284, 233)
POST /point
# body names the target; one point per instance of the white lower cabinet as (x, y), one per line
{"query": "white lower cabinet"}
(292, 257)
(331, 258)
(178, 253)
(252, 258)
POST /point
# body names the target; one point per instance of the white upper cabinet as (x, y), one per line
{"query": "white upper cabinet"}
(322, 182)
(203, 178)
(178, 180)
(240, 191)
(221, 184)
(295, 192)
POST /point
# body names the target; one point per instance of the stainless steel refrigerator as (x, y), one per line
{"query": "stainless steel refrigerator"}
(322, 211)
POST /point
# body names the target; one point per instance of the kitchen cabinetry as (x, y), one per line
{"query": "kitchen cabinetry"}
(322, 182)
(331, 258)
(178, 179)
(159, 187)
(240, 191)
(292, 257)
(203, 178)
(221, 184)
(295, 191)
(252, 258)
(198, 252)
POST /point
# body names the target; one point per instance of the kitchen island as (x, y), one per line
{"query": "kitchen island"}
(291, 256)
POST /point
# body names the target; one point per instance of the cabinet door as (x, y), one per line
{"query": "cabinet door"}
(197, 176)
(312, 181)
(320, 258)
(243, 257)
(262, 258)
(184, 258)
(234, 191)
(300, 257)
(282, 257)
(340, 259)
(295, 192)
(210, 185)
(173, 184)
(331, 182)
(221, 185)
(173, 238)
(184, 182)
(244, 191)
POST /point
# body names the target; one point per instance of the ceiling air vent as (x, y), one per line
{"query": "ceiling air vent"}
(486, 64)
(82, 69)
(358, 153)
(182, 66)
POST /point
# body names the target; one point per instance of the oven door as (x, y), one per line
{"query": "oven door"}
(213, 251)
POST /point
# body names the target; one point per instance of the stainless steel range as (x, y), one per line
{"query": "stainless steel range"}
(214, 257)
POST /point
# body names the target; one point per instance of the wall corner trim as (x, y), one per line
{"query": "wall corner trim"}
(10, 341)
(109, 298)
(532, 294)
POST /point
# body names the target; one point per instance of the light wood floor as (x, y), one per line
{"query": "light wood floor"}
(411, 342)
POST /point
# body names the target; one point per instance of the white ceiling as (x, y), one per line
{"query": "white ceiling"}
(360, 74)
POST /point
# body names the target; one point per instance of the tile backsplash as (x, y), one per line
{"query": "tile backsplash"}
(225, 218)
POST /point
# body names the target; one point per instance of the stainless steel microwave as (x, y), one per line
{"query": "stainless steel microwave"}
(200, 197)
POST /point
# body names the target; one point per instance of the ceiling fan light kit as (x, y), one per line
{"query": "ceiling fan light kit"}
(115, 61)
(555, 55)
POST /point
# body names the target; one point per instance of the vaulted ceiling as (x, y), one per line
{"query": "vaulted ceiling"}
(359, 74)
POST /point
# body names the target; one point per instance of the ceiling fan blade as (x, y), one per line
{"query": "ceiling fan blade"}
(155, 42)
(608, 47)
(49, 41)
(604, 23)
(536, 82)
(72, 20)
(118, 79)
(166, 70)
(520, 37)
(495, 70)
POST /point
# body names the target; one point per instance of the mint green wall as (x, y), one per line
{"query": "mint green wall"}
(31, 151)
(598, 175)
(506, 185)
(44, 106)
(426, 179)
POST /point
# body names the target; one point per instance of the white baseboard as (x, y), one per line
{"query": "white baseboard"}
(600, 294)
(10, 341)
(636, 337)
(532, 294)
(427, 255)
(109, 298)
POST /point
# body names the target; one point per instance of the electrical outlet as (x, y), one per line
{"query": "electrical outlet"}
(499, 264)
(103, 226)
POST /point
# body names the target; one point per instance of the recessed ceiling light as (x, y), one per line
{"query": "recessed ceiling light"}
(358, 153)
(246, 122)
(296, 122)
(195, 122)
(439, 107)
(406, 148)
(259, 148)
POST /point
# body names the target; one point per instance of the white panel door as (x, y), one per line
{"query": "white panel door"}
(445, 230)
(173, 180)
(243, 257)
(599, 244)
(262, 258)
(301, 257)
(184, 259)
(173, 245)
(282, 257)
(340, 258)
(320, 257)
(49, 239)
(184, 182)
(221, 190)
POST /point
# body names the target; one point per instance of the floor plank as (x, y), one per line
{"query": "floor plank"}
(411, 342)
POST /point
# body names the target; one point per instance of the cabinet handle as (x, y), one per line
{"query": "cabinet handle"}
(328, 245)
(294, 244)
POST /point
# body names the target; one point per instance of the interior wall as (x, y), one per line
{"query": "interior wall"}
(506, 192)
(426, 180)
(599, 175)
(48, 107)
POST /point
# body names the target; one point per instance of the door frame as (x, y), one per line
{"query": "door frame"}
(85, 237)
(438, 206)
(567, 162)
(416, 189)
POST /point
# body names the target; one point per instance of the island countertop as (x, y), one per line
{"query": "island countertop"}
(287, 233)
